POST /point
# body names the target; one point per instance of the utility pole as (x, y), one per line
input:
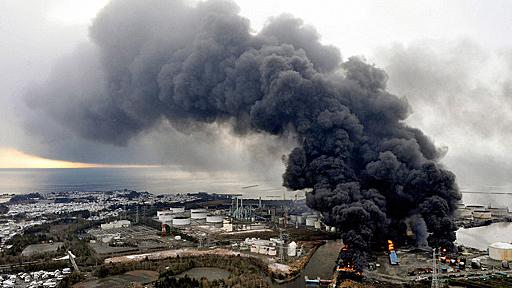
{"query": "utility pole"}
(435, 279)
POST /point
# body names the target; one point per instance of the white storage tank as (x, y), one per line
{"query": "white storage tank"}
(482, 214)
(292, 249)
(163, 212)
(177, 210)
(167, 219)
(181, 221)
(500, 251)
(463, 213)
(499, 212)
(475, 207)
(214, 219)
(198, 215)
(198, 210)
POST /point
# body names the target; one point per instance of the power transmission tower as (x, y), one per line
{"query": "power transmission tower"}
(144, 212)
(283, 238)
(281, 246)
(435, 279)
(137, 215)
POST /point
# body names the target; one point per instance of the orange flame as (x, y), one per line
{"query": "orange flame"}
(391, 246)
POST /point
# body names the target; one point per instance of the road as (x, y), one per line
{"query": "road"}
(407, 279)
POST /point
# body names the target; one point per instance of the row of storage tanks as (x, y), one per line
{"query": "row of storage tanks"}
(310, 220)
(481, 212)
(178, 216)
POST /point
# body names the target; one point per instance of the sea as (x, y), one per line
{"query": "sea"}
(165, 180)
(169, 180)
(156, 180)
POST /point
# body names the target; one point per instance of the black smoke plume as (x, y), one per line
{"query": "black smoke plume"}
(167, 61)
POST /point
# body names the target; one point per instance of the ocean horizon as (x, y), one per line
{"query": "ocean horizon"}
(156, 180)
(166, 180)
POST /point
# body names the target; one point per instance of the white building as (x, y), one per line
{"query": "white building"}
(292, 249)
(115, 224)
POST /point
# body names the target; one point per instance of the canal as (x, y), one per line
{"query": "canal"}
(320, 265)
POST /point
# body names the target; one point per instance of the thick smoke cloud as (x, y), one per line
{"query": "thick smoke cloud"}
(160, 61)
(460, 93)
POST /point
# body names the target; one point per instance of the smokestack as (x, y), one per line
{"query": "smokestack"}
(164, 61)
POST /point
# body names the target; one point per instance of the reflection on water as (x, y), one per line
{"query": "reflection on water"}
(481, 237)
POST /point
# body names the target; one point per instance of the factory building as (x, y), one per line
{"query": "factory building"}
(500, 251)
(115, 224)
(311, 220)
(260, 246)
(269, 247)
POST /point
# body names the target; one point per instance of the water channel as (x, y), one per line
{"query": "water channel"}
(320, 265)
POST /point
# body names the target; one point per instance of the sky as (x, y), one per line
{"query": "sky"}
(451, 60)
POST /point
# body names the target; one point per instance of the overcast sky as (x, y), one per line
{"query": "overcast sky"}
(452, 60)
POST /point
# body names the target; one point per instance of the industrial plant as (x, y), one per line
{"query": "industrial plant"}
(283, 236)
(355, 195)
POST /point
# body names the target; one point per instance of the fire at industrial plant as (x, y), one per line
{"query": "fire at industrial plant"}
(368, 172)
